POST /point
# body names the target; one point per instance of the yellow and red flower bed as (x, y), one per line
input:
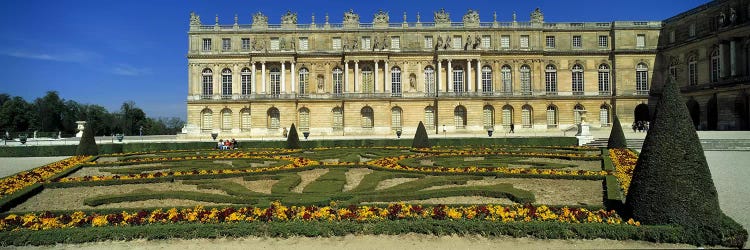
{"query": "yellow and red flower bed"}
(279, 212)
(24, 179)
(624, 161)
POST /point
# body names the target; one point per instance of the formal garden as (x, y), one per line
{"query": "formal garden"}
(539, 187)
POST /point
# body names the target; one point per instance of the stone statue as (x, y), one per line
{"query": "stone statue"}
(732, 15)
(477, 41)
(537, 16)
(282, 43)
(468, 42)
(442, 17)
(375, 42)
(514, 16)
(321, 83)
(722, 19)
(350, 17)
(471, 16)
(418, 17)
(293, 44)
(447, 42)
(385, 43)
(289, 18)
(195, 19)
(254, 45)
(381, 17)
(260, 19)
(494, 16)
(355, 43)
(439, 43)
(412, 80)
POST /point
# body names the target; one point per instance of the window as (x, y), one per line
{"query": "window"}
(396, 118)
(486, 42)
(525, 80)
(640, 41)
(488, 117)
(336, 43)
(395, 42)
(206, 44)
(429, 80)
(338, 77)
(338, 119)
(715, 66)
(395, 82)
(207, 123)
(692, 30)
(577, 79)
(550, 80)
(367, 80)
(692, 72)
(505, 42)
(274, 43)
(428, 42)
(274, 118)
(303, 43)
(551, 116)
(577, 113)
(304, 119)
(275, 82)
(245, 81)
(673, 69)
(604, 115)
(226, 120)
(457, 43)
(226, 44)
(603, 41)
(459, 117)
(486, 79)
(671, 36)
(550, 42)
(304, 81)
(429, 118)
(245, 43)
(458, 80)
(604, 80)
(641, 79)
(366, 42)
(507, 115)
(226, 84)
(367, 117)
(524, 41)
(245, 122)
(507, 78)
(526, 116)
(577, 42)
(208, 84)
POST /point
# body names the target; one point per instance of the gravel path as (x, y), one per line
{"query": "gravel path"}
(13, 165)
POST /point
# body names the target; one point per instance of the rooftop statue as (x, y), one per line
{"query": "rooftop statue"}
(289, 18)
(381, 17)
(442, 17)
(350, 17)
(537, 16)
(471, 16)
(195, 19)
(259, 18)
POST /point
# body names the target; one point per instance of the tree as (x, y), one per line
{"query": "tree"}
(616, 136)
(87, 145)
(49, 110)
(420, 138)
(15, 115)
(292, 140)
(132, 118)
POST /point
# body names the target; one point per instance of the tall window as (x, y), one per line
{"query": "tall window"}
(551, 116)
(304, 44)
(525, 79)
(641, 79)
(507, 78)
(603, 41)
(396, 118)
(338, 77)
(550, 42)
(505, 42)
(207, 121)
(395, 42)
(275, 43)
(304, 119)
(457, 43)
(604, 79)
(640, 41)
(338, 119)
(577, 113)
(245, 77)
(692, 71)
(275, 82)
(428, 42)
(526, 116)
(486, 42)
(226, 120)
(429, 118)
(274, 118)
(304, 81)
(550, 80)
(486, 79)
(366, 43)
(226, 84)
(395, 82)
(488, 117)
(459, 117)
(604, 115)
(367, 117)
(458, 79)
(336, 43)
(507, 116)
(524, 41)
(577, 44)
(245, 43)
(206, 44)
(367, 80)
(715, 66)
(245, 122)
(691, 30)
(226, 44)
(577, 79)
(208, 83)
(429, 80)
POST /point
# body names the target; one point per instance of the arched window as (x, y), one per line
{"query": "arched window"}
(673, 67)
(429, 118)
(486, 79)
(226, 120)
(246, 81)
(245, 122)
(396, 118)
(458, 79)
(577, 113)
(604, 80)
(367, 80)
(488, 117)
(459, 117)
(550, 80)
(692, 71)
(338, 77)
(367, 117)
(551, 116)
(395, 82)
(207, 120)
(338, 119)
(507, 115)
(208, 84)
(304, 119)
(641, 79)
(507, 78)
(527, 116)
(577, 79)
(429, 80)
(525, 79)
(304, 81)
(604, 115)
(226, 84)
(715, 66)
(274, 118)
(275, 82)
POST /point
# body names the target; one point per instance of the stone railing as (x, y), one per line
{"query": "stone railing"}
(428, 25)
(414, 95)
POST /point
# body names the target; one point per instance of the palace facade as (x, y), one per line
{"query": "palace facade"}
(378, 77)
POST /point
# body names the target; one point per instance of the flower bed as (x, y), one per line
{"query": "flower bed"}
(624, 161)
(24, 179)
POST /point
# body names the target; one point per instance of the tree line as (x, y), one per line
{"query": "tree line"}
(51, 113)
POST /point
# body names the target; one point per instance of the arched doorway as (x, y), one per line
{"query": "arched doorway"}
(695, 112)
(712, 114)
(641, 113)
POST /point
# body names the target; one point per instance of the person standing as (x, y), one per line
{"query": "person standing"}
(512, 128)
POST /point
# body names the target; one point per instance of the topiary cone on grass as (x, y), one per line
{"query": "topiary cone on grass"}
(616, 136)
(292, 140)
(420, 138)
(87, 145)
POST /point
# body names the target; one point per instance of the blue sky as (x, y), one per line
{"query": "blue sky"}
(106, 52)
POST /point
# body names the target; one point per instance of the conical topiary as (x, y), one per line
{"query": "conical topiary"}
(87, 145)
(671, 182)
(616, 136)
(420, 138)
(292, 140)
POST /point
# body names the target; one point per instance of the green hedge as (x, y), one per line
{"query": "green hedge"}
(18, 197)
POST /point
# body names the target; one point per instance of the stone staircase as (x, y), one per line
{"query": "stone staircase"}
(708, 144)
(602, 142)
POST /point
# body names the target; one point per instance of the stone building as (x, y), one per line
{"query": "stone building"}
(374, 78)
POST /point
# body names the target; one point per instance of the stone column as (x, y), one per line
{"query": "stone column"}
(450, 77)
(468, 75)
(356, 75)
(283, 73)
(293, 75)
(253, 79)
(376, 76)
(346, 76)
(387, 82)
(479, 76)
(437, 76)
(263, 76)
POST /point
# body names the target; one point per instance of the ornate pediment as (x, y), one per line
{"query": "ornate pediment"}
(195, 19)
(381, 17)
(537, 16)
(471, 16)
(260, 19)
(350, 17)
(442, 16)
(289, 18)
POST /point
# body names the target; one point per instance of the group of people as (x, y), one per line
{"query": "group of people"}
(640, 126)
(227, 144)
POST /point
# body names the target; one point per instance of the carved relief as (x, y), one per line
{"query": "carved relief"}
(537, 16)
(442, 16)
(260, 19)
(350, 17)
(471, 17)
(289, 18)
(381, 17)
(195, 19)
